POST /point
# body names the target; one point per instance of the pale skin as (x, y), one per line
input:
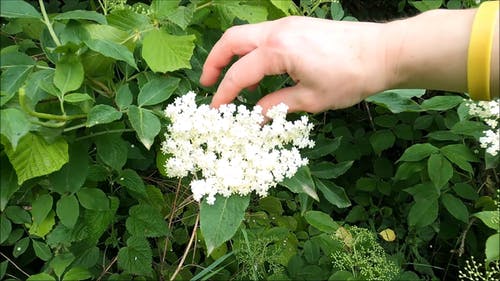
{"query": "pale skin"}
(338, 64)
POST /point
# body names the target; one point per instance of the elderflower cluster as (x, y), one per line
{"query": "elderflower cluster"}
(228, 151)
(475, 271)
(489, 112)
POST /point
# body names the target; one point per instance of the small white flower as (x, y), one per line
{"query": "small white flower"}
(228, 149)
(489, 112)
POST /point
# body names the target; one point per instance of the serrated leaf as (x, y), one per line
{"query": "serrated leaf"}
(93, 199)
(423, 212)
(321, 221)
(14, 125)
(128, 20)
(102, 114)
(146, 221)
(220, 221)
(69, 73)
(459, 155)
(82, 15)
(137, 257)
(418, 152)
(42, 250)
(112, 150)
(145, 123)
(21, 246)
(77, 273)
(133, 183)
(181, 16)
(439, 169)
(68, 210)
(5, 228)
(97, 222)
(112, 50)
(456, 207)
(301, 182)
(164, 52)
(34, 157)
(333, 193)
(382, 140)
(157, 91)
(41, 208)
(18, 9)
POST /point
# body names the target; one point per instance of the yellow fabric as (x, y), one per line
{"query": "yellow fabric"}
(479, 53)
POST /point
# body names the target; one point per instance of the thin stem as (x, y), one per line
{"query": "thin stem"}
(15, 265)
(48, 23)
(203, 6)
(104, 133)
(172, 213)
(107, 268)
(75, 127)
(22, 103)
(193, 234)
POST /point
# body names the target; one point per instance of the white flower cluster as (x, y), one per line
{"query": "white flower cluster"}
(489, 112)
(230, 150)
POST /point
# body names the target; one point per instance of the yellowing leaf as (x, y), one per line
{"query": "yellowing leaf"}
(388, 235)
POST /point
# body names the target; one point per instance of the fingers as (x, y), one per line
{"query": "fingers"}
(238, 40)
(244, 73)
(291, 96)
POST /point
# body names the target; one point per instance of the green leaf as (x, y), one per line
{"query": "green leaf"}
(82, 15)
(321, 221)
(146, 221)
(456, 207)
(41, 208)
(382, 140)
(418, 152)
(112, 50)
(60, 262)
(68, 210)
(228, 10)
(323, 146)
(442, 103)
(42, 250)
(492, 250)
(18, 9)
(133, 183)
(34, 157)
(459, 155)
(423, 212)
(219, 222)
(424, 191)
(14, 125)
(328, 170)
(41, 277)
(11, 80)
(286, 6)
(102, 114)
(73, 174)
(17, 215)
(128, 20)
(137, 257)
(145, 123)
(77, 97)
(157, 91)
(97, 222)
(397, 101)
(469, 128)
(112, 150)
(163, 8)
(426, 5)
(333, 193)
(13, 59)
(164, 52)
(123, 97)
(8, 182)
(41, 229)
(465, 191)
(77, 273)
(3, 268)
(181, 16)
(301, 182)
(69, 73)
(93, 199)
(489, 218)
(439, 169)
(21, 246)
(5, 228)
(271, 205)
(336, 10)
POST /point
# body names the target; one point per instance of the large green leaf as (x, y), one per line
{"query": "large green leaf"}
(423, 212)
(164, 52)
(42, 250)
(96, 222)
(73, 174)
(322, 147)
(35, 157)
(102, 114)
(93, 199)
(441, 103)
(146, 221)
(11, 80)
(321, 221)
(301, 182)
(82, 15)
(492, 248)
(133, 183)
(137, 257)
(329, 170)
(128, 20)
(456, 207)
(13, 125)
(418, 152)
(219, 222)
(333, 193)
(18, 9)
(489, 218)
(145, 123)
(397, 101)
(69, 73)
(41, 208)
(382, 140)
(439, 169)
(68, 210)
(8, 182)
(460, 155)
(112, 150)
(229, 10)
(5, 228)
(77, 273)
(469, 128)
(123, 97)
(157, 90)
(426, 5)
(113, 50)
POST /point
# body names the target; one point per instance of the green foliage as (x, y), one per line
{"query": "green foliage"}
(84, 194)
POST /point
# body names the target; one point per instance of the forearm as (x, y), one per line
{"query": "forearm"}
(430, 51)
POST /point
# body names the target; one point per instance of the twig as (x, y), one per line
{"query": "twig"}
(107, 268)
(461, 249)
(14, 264)
(170, 220)
(369, 115)
(193, 234)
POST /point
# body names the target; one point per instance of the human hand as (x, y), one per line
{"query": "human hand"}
(334, 64)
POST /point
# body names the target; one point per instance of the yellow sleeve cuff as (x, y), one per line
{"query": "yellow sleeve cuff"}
(479, 52)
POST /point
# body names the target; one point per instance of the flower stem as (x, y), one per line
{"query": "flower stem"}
(48, 23)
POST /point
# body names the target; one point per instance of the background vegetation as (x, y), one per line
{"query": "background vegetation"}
(397, 187)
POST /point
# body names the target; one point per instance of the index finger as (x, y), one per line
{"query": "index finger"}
(237, 40)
